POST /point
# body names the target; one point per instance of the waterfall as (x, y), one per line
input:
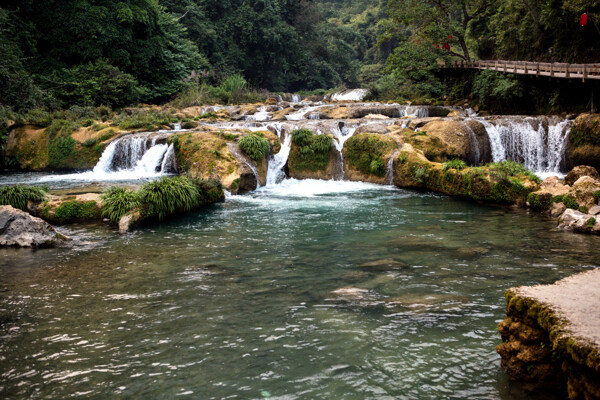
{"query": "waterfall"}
(277, 162)
(314, 116)
(389, 174)
(342, 134)
(350, 95)
(296, 98)
(260, 115)
(528, 141)
(136, 156)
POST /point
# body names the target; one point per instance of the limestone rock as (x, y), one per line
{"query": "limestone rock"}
(554, 186)
(578, 172)
(376, 116)
(19, 229)
(595, 210)
(385, 264)
(557, 210)
(128, 220)
(572, 220)
(583, 191)
(461, 139)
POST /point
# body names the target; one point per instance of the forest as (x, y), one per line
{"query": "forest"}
(58, 53)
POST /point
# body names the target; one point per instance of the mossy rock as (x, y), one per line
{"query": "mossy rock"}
(71, 211)
(540, 201)
(586, 155)
(310, 152)
(367, 153)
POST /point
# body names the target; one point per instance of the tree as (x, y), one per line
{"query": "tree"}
(439, 21)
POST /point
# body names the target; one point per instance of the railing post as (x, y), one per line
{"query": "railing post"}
(537, 72)
(568, 72)
(526, 71)
(584, 72)
(551, 69)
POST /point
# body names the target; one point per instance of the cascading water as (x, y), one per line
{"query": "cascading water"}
(389, 174)
(342, 134)
(277, 162)
(538, 143)
(136, 156)
(296, 98)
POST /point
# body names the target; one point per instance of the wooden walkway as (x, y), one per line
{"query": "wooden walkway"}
(555, 70)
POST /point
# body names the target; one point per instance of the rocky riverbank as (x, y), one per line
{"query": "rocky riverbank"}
(551, 336)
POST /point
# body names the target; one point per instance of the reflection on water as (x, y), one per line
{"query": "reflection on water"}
(242, 299)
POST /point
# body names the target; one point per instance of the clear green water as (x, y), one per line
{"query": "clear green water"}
(237, 301)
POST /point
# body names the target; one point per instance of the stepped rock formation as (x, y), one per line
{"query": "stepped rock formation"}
(551, 335)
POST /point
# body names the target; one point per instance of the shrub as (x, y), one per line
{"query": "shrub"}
(254, 146)
(38, 118)
(597, 196)
(539, 202)
(118, 202)
(454, 164)
(18, 195)
(90, 143)
(168, 196)
(61, 127)
(591, 222)
(494, 90)
(302, 137)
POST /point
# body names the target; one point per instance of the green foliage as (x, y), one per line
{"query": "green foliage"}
(117, 202)
(72, 211)
(38, 117)
(18, 195)
(495, 91)
(454, 164)
(61, 127)
(568, 201)
(169, 196)
(311, 152)
(97, 83)
(302, 137)
(141, 119)
(509, 168)
(539, 202)
(365, 152)
(59, 149)
(590, 222)
(597, 196)
(254, 146)
(90, 143)
(402, 158)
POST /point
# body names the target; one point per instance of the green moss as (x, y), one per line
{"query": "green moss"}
(568, 201)
(597, 196)
(59, 150)
(365, 153)
(590, 222)
(74, 211)
(539, 201)
(309, 152)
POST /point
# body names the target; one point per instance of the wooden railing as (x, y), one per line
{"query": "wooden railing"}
(556, 70)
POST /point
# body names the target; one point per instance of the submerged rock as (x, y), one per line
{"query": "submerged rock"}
(19, 229)
(352, 294)
(384, 264)
(421, 302)
(471, 252)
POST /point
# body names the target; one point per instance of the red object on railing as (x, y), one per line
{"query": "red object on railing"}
(584, 19)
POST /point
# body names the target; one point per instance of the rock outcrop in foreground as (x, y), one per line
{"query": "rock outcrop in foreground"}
(19, 229)
(552, 335)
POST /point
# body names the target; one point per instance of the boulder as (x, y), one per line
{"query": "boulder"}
(553, 186)
(383, 265)
(19, 229)
(578, 172)
(557, 210)
(128, 220)
(583, 191)
(576, 221)
(462, 140)
(595, 210)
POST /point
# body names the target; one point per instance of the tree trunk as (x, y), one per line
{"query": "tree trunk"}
(463, 45)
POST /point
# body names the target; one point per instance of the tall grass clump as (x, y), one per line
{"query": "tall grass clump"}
(118, 202)
(254, 146)
(18, 195)
(168, 196)
(454, 164)
(311, 152)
